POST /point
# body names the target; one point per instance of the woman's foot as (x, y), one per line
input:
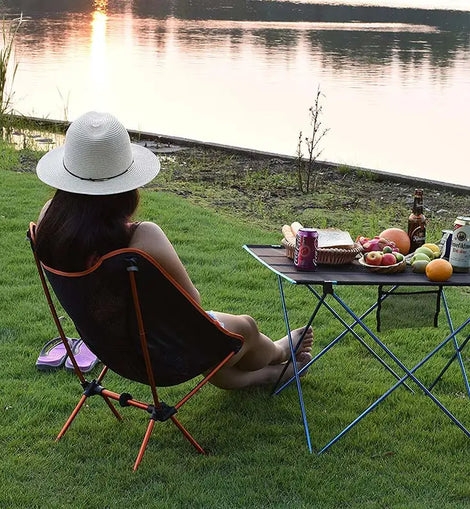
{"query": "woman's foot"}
(231, 377)
(304, 347)
(302, 359)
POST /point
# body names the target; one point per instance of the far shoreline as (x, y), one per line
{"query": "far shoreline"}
(44, 123)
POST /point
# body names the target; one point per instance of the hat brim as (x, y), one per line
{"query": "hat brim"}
(144, 168)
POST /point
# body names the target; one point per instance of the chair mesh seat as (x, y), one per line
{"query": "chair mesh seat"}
(182, 341)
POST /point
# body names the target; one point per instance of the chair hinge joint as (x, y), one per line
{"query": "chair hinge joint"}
(91, 388)
(162, 413)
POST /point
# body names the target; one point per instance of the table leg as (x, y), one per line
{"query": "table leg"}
(409, 374)
(297, 373)
(294, 364)
(458, 350)
(349, 328)
(387, 393)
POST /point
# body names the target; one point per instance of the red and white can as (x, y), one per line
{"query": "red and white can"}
(460, 249)
(306, 245)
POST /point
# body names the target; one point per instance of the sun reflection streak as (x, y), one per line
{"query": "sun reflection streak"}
(98, 44)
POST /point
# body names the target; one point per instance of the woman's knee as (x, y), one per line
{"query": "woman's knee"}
(249, 326)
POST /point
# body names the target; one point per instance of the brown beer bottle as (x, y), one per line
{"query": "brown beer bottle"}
(417, 222)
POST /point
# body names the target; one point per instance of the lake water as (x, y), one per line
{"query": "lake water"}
(395, 74)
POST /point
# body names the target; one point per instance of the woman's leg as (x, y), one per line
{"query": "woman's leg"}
(231, 377)
(259, 351)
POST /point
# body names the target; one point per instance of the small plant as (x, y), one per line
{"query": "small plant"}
(305, 168)
(65, 104)
(7, 70)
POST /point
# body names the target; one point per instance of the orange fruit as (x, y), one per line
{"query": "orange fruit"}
(400, 237)
(439, 270)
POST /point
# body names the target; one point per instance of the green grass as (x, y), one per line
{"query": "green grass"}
(404, 454)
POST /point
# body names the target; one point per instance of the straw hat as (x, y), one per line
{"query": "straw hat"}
(97, 158)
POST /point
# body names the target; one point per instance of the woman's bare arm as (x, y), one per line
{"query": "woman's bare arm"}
(150, 238)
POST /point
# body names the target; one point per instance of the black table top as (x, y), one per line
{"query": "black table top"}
(274, 258)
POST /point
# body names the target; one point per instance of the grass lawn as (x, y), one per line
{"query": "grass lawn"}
(405, 454)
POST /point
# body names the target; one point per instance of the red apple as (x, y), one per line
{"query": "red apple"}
(374, 258)
(388, 259)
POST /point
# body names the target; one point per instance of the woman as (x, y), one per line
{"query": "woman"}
(96, 174)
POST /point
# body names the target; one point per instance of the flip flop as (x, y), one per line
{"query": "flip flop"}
(54, 354)
(86, 359)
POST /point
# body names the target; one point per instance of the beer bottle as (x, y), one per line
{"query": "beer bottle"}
(417, 222)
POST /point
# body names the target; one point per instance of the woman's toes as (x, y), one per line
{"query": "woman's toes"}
(303, 359)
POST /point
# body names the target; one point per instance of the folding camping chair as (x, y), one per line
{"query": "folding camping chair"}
(143, 326)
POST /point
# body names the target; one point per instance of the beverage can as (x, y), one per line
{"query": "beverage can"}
(460, 248)
(445, 243)
(306, 245)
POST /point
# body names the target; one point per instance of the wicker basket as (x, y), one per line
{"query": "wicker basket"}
(328, 255)
(385, 269)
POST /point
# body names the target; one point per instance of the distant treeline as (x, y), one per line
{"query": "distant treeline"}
(449, 31)
(254, 10)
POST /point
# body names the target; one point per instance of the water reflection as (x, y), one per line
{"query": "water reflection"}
(100, 6)
(33, 139)
(445, 32)
(243, 72)
(98, 43)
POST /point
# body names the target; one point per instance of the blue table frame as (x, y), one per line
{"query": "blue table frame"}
(328, 277)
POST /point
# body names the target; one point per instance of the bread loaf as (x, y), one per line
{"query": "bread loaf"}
(295, 227)
(288, 235)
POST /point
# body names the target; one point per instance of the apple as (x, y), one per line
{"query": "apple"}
(374, 258)
(387, 249)
(399, 257)
(388, 259)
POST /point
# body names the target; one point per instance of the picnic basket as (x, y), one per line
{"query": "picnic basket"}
(328, 255)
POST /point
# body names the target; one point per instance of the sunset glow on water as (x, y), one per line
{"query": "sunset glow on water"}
(396, 85)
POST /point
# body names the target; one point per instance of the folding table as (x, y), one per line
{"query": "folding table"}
(328, 278)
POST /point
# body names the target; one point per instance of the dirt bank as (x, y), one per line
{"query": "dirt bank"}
(264, 188)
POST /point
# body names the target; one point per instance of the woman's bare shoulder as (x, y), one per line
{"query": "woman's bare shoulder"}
(149, 237)
(145, 230)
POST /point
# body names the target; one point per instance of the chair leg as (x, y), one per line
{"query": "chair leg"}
(112, 407)
(145, 441)
(144, 444)
(187, 435)
(71, 418)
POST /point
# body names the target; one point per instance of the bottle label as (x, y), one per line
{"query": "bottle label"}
(460, 248)
(417, 237)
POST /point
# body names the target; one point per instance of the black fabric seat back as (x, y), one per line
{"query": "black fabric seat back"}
(183, 341)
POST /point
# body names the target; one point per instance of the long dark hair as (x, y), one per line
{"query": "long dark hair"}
(77, 228)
